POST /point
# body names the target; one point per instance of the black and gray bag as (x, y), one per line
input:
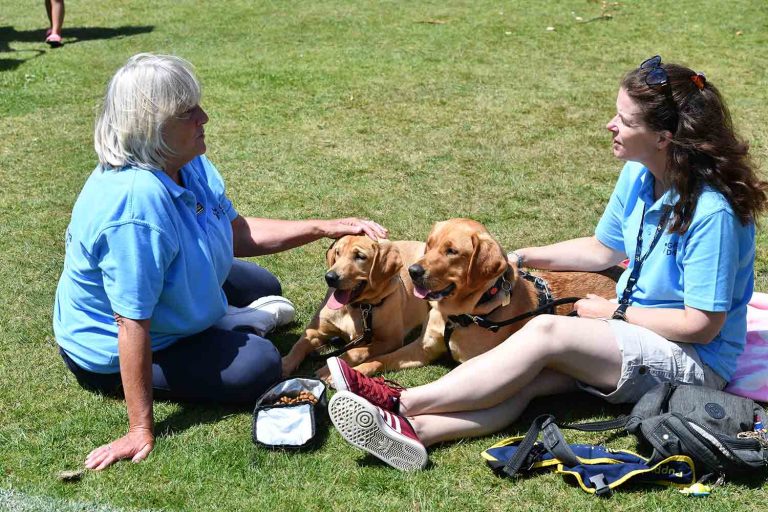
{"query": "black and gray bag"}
(716, 429)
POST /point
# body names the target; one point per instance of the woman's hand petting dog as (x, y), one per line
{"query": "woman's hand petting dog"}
(353, 226)
(594, 306)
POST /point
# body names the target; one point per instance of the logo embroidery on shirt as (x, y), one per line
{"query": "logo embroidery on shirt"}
(218, 211)
(670, 248)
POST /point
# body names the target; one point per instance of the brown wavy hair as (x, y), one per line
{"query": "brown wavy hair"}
(704, 150)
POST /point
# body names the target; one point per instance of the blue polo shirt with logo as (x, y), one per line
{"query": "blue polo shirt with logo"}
(143, 247)
(710, 267)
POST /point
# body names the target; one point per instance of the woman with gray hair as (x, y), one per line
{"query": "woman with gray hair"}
(149, 270)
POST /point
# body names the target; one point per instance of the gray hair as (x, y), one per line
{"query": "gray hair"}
(141, 97)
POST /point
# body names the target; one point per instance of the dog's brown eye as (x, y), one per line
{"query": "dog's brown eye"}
(360, 256)
(450, 251)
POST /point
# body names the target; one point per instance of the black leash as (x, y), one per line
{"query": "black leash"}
(466, 320)
(366, 312)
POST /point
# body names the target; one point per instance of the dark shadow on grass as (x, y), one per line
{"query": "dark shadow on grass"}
(190, 415)
(71, 35)
(569, 408)
(371, 461)
(283, 339)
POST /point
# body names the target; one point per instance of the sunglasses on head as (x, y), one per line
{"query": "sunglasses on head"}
(656, 76)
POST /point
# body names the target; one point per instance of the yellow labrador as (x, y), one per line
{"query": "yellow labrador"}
(370, 278)
(465, 271)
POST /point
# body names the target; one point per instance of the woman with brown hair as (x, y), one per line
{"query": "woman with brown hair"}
(684, 211)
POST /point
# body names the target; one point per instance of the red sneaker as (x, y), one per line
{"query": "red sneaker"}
(387, 435)
(381, 393)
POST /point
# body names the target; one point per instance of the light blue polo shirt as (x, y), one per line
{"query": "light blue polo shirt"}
(144, 247)
(710, 267)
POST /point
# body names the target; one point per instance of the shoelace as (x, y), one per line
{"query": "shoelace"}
(381, 389)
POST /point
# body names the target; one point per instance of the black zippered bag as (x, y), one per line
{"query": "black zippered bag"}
(716, 429)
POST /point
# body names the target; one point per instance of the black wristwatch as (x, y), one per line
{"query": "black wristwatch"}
(620, 313)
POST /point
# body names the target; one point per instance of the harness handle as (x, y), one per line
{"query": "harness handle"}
(366, 314)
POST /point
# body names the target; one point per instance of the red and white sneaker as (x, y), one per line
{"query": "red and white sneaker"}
(381, 393)
(382, 433)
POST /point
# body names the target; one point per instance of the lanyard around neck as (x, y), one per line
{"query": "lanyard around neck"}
(639, 260)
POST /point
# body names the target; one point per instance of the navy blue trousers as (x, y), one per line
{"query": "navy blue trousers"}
(212, 366)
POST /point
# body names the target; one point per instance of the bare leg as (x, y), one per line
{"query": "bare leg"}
(435, 428)
(55, 10)
(584, 349)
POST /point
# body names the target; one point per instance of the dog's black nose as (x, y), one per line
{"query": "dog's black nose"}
(416, 271)
(332, 278)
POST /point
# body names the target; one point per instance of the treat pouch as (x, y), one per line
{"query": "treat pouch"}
(289, 425)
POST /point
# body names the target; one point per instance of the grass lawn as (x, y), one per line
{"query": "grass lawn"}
(405, 112)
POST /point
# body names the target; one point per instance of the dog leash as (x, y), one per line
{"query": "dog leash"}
(366, 313)
(547, 304)
(466, 320)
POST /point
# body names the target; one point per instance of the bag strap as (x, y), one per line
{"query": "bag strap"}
(599, 426)
(521, 456)
(554, 442)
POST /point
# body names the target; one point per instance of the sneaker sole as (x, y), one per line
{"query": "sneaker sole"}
(337, 376)
(361, 425)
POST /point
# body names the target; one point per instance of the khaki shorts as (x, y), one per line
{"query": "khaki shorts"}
(648, 359)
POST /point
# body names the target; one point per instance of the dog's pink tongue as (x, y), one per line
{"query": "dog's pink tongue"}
(420, 292)
(339, 299)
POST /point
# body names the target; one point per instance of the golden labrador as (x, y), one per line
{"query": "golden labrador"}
(465, 271)
(365, 278)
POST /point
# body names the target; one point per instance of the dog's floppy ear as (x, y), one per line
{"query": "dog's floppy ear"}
(386, 262)
(330, 254)
(487, 259)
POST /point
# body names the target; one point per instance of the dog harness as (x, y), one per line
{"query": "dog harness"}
(366, 314)
(547, 304)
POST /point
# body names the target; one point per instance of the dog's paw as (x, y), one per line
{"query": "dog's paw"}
(367, 368)
(324, 374)
(288, 366)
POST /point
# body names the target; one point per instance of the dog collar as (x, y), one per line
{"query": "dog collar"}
(501, 285)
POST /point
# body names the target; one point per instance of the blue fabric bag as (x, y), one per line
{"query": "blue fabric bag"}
(599, 469)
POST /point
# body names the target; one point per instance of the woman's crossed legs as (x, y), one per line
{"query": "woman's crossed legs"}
(485, 394)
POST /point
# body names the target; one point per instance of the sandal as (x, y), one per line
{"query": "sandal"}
(53, 40)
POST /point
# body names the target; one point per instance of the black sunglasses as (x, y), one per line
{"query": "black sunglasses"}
(656, 76)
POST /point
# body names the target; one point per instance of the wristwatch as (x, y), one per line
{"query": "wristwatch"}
(620, 313)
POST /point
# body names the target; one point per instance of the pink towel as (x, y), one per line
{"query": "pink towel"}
(751, 376)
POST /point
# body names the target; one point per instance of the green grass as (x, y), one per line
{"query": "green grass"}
(328, 109)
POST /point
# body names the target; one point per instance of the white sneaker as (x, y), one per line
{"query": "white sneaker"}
(387, 435)
(260, 316)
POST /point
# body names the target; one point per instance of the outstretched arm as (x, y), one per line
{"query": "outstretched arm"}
(133, 344)
(256, 236)
(579, 254)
